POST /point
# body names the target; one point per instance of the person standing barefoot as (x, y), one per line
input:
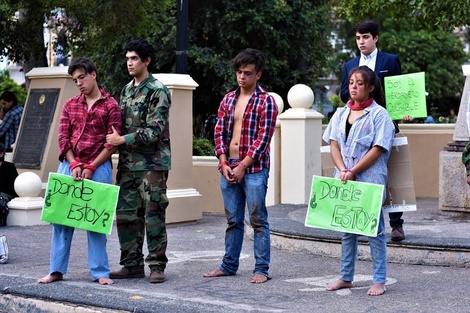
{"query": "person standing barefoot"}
(361, 137)
(245, 125)
(84, 154)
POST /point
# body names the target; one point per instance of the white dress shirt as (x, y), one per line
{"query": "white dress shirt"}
(369, 60)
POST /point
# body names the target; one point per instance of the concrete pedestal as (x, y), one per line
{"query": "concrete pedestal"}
(300, 156)
(454, 193)
(25, 211)
(273, 195)
(185, 201)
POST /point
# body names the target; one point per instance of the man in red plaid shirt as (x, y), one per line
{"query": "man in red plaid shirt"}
(246, 122)
(85, 121)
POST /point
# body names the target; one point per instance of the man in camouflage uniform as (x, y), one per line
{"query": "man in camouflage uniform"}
(466, 161)
(144, 162)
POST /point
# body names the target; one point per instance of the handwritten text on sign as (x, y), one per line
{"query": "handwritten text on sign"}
(82, 204)
(405, 95)
(353, 207)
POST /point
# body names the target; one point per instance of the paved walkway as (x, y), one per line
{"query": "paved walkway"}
(433, 236)
(299, 273)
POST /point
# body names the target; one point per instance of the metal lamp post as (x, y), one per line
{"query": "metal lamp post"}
(182, 37)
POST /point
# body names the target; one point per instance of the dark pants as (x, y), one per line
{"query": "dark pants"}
(395, 218)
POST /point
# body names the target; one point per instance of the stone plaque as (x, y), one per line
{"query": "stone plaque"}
(36, 123)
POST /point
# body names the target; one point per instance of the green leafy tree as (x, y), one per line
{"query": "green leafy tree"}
(8, 84)
(437, 52)
(96, 29)
(21, 32)
(103, 39)
(434, 14)
(293, 35)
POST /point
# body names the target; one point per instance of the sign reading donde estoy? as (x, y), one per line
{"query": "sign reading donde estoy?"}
(352, 207)
(82, 204)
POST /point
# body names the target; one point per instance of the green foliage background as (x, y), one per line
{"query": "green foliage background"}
(293, 34)
(444, 78)
(437, 51)
(8, 84)
(202, 147)
(425, 14)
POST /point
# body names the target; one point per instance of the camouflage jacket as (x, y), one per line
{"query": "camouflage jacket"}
(466, 158)
(145, 113)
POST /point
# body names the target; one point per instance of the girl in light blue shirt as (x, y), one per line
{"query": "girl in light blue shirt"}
(361, 136)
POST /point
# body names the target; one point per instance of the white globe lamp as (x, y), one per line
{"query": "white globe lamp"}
(300, 96)
(28, 184)
(279, 101)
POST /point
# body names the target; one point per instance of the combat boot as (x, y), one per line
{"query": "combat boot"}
(128, 272)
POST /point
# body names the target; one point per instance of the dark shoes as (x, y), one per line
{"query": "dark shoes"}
(397, 233)
(128, 272)
(156, 276)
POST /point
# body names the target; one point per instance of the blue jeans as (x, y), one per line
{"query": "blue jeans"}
(252, 192)
(378, 251)
(62, 235)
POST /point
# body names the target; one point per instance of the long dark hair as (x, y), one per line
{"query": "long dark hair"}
(370, 79)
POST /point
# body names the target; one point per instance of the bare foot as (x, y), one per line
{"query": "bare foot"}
(376, 290)
(52, 277)
(339, 284)
(259, 279)
(215, 273)
(105, 281)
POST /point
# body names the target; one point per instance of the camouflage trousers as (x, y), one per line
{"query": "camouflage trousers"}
(141, 211)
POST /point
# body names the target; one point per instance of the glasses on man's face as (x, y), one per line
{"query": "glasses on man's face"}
(80, 78)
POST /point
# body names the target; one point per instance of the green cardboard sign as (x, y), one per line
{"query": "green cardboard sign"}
(353, 207)
(405, 95)
(84, 204)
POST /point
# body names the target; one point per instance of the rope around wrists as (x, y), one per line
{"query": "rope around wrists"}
(347, 170)
(74, 164)
(219, 167)
(89, 167)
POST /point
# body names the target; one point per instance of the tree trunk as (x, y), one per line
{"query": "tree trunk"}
(34, 54)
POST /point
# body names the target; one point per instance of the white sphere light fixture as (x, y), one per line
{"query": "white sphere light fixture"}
(300, 96)
(28, 184)
(279, 101)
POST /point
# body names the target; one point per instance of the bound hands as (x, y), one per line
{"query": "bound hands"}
(233, 176)
(77, 173)
(81, 171)
(87, 173)
(346, 175)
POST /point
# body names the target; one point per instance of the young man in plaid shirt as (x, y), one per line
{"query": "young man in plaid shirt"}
(246, 122)
(85, 121)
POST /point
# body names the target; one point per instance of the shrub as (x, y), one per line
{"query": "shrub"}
(202, 147)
